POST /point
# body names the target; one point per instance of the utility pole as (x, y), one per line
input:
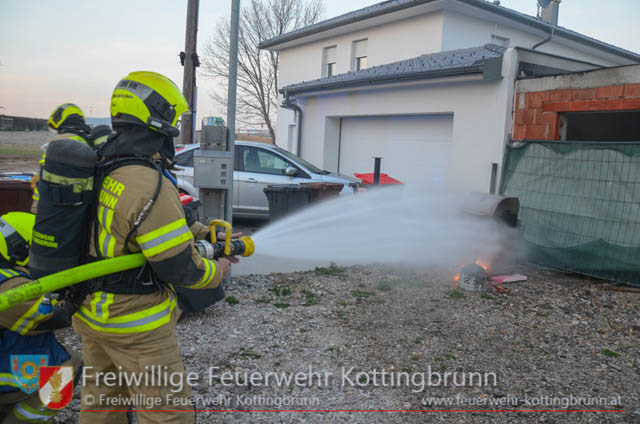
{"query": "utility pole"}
(231, 106)
(231, 96)
(190, 61)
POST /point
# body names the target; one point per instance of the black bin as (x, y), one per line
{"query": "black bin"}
(285, 199)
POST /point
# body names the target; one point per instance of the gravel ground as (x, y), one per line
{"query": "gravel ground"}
(557, 335)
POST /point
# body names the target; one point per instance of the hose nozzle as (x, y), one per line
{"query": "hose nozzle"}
(243, 246)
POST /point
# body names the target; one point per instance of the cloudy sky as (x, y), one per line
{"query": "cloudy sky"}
(53, 52)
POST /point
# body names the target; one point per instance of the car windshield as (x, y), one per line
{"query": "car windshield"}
(302, 162)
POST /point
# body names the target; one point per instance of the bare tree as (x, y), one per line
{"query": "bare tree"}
(257, 69)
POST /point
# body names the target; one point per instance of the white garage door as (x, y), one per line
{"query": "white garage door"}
(414, 149)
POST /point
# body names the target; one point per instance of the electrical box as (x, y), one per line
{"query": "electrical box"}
(213, 169)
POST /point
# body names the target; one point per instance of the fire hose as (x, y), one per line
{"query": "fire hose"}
(54, 282)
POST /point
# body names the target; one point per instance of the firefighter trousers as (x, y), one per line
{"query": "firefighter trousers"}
(149, 378)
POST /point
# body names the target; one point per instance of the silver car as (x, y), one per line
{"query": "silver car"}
(258, 165)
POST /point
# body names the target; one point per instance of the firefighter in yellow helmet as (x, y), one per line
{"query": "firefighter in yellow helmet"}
(67, 120)
(26, 328)
(127, 322)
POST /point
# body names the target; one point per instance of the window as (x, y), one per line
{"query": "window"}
(331, 69)
(600, 126)
(186, 158)
(311, 167)
(258, 160)
(359, 55)
(329, 62)
(291, 136)
(361, 63)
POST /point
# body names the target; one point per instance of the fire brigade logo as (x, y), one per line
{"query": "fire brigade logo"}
(56, 386)
(25, 370)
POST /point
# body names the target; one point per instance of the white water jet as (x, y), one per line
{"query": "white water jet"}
(391, 225)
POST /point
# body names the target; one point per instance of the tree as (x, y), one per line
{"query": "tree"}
(261, 20)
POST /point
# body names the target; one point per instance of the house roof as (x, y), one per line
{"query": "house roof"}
(485, 60)
(397, 5)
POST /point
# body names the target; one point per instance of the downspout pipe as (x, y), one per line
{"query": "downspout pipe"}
(553, 30)
(288, 104)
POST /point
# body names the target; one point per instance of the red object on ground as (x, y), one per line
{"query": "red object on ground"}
(367, 179)
(185, 199)
(515, 278)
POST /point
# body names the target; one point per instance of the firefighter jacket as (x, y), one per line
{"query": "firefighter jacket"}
(163, 237)
(20, 330)
(36, 196)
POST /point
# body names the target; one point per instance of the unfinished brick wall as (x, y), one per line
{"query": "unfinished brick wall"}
(537, 114)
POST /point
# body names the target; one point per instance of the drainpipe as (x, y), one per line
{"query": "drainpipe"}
(545, 40)
(288, 104)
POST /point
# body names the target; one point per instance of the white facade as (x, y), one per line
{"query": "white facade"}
(454, 129)
(465, 124)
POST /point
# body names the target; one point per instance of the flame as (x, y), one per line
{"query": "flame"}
(456, 278)
(485, 267)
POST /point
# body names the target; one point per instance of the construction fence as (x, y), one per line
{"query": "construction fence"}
(579, 205)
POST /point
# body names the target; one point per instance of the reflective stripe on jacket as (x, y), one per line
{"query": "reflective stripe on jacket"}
(19, 331)
(98, 315)
(164, 238)
(23, 318)
(27, 413)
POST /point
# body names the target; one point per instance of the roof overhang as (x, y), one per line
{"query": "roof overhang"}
(485, 61)
(534, 64)
(391, 85)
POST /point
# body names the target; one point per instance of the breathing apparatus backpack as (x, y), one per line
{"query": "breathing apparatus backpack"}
(69, 187)
(63, 220)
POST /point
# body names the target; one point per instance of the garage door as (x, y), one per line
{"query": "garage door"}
(415, 149)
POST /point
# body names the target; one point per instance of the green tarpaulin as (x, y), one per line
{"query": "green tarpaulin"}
(579, 205)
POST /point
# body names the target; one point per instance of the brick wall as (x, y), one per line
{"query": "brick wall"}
(537, 113)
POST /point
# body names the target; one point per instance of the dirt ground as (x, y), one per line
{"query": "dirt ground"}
(20, 150)
(549, 340)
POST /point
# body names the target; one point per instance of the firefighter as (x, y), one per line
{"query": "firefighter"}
(67, 120)
(98, 136)
(26, 328)
(127, 323)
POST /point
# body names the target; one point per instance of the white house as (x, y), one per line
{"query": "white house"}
(428, 85)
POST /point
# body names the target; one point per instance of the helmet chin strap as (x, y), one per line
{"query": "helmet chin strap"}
(163, 127)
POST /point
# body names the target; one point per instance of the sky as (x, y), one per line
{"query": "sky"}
(53, 52)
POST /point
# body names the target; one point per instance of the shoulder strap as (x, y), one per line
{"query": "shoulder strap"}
(107, 167)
